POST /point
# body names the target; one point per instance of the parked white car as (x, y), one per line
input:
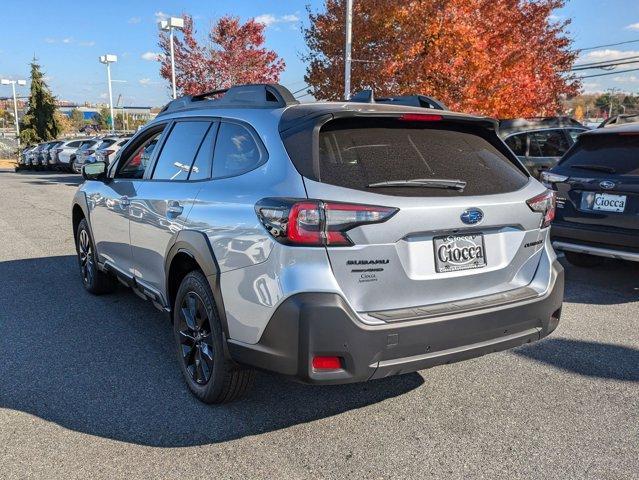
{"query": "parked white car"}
(106, 151)
(66, 152)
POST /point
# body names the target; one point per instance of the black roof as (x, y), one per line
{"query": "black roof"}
(613, 129)
(297, 114)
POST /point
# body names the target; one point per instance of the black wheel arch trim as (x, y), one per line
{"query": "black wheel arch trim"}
(80, 200)
(197, 245)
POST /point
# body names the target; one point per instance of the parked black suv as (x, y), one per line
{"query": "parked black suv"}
(597, 185)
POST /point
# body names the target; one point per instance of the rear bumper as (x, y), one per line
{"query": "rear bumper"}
(603, 242)
(322, 324)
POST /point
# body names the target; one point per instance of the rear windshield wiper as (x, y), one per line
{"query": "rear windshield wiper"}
(422, 182)
(596, 168)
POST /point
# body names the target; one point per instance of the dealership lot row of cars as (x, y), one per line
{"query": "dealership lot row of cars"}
(70, 154)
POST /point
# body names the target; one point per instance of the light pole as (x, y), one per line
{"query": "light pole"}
(348, 41)
(168, 26)
(108, 60)
(22, 83)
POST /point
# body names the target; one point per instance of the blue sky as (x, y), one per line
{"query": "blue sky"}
(68, 36)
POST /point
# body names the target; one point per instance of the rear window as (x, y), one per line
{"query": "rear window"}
(620, 153)
(358, 152)
(106, 143)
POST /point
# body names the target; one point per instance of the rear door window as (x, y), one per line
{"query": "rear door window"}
(517, 144)
(547, 143)
(617, 154)
(179, 150)
(358, 152)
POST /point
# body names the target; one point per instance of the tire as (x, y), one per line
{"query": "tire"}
(583, 259)
(197, 332)
(94, 280)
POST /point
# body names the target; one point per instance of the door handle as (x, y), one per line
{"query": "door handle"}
(174, 209)
(124, 201)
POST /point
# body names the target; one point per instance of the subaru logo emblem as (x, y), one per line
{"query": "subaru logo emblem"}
(607, 185)
(472, 216)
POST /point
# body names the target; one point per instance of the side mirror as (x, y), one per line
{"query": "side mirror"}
(94, 171)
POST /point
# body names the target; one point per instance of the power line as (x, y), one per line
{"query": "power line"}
(602, 63)
(608, 45)
(609, 73)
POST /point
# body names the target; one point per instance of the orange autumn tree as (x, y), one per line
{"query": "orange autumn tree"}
(504, 58)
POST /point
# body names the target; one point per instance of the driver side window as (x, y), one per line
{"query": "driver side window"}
(138, 161)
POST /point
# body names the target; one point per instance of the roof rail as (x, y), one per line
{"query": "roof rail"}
(367, 96)
(263, 95)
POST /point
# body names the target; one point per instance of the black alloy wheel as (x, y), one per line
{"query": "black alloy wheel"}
(196, 341)
(85, 253)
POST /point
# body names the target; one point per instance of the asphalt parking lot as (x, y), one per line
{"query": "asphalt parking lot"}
(90, 388)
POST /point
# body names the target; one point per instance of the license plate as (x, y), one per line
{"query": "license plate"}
(459, 252)
(605, 202)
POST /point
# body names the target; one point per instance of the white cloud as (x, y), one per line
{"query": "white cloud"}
(591, 87)
(161, 16)
(49, 40)
(269, 19)
(626, 79)
(608, 54)
(144, 81)
(150, 56)
(67, 40)
(134, 20)
(89, 43)
(633, 26)
(104, 95)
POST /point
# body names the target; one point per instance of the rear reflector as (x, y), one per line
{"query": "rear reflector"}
(420, 117)
(327, 363)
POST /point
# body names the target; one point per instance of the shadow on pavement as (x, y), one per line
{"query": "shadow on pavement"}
(105, 366)
(592, 359)
(48, 178)
(613, 282)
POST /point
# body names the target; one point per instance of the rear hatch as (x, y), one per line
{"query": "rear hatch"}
(601, 188)
(463, 230)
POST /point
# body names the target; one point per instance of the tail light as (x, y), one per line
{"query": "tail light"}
(544, 204)
(106, 153)
(89, 152)
(315, 222)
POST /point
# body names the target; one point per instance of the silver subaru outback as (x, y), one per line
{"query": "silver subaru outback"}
(330, 242)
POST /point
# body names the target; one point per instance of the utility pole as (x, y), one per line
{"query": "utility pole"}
(108, 60)
(22, 83)
(168, 26)
(348, 42)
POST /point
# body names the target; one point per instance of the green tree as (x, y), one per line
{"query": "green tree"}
(77, 119)
(39, 123)
(102, 117)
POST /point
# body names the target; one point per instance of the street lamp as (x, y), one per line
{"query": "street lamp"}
(108, 60)
(168, 26)
(21, 83)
